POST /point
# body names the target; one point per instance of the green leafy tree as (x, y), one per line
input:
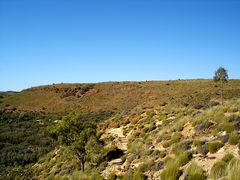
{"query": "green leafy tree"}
(221, 75)
(79, 133)
(93, 150)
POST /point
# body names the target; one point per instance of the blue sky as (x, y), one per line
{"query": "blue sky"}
(51, 41)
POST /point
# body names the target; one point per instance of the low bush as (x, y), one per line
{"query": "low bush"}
(234, 169)
(175, 138)
(143, 167)
(138, 175)
(227, 127)
(168, 160)
(218, 170)
(227, 158)
(171, 172)
(197, 142)
(233, 109)
(145, 153)
(143, 135)
(102, 166)
(95, 176)
(233, 138)
(151, 113)
(203, 149)
(182, 146)
(194, 172)
(183, 157)
(214, 146)
(166, 144)
(127, 176)
(134, 121)
(112, 176)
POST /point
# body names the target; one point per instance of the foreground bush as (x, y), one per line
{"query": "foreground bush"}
(218, 170)
(233, 138)
(171, 172)
(194, 172)
(183, 157)
(227, 158)
(214, 146)
(234, 169)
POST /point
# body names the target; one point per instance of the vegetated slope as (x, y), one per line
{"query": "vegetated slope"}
(167, 143)
(23, 141)
(120, 96)
(127, 130)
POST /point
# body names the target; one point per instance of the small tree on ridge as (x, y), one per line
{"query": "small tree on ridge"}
(221, 75)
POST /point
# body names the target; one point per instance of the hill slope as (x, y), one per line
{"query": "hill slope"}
(122, 130)
(121, 96)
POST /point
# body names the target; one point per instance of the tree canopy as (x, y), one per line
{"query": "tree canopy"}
(221, 74)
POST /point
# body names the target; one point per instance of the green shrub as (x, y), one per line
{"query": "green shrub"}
(143, 167)
(175, 138)
(168, 160)
(227, 127)
(166, 144)
(138, 175)
(145, 153)
(198, 143)
(227, 158)
(143, 135)
(145, 129)
(214, 146)
(102, 166)
(218, 170)
(77, 174)
(218, 114)
(194, 172)
(184, 157)
(95, 176)
(111, 176)
(233, 109)
(182, 146)
(134, 121)
(234, 169)
(171, 172)
(233, 138)
(127, 176)
(162, 154)
(149, 141)
(151, 113)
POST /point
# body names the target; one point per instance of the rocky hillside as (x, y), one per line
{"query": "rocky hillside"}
(158, 143)
(131, 130)
(175, 143)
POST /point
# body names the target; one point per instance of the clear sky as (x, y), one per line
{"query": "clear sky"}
(51, 41)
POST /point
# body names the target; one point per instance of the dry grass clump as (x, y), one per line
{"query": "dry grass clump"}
(194, 172)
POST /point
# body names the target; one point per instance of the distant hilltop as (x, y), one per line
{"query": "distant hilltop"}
(121, 96)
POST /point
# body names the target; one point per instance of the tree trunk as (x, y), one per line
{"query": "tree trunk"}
(81, 159)
(82, 164)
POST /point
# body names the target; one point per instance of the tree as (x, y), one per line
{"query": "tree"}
(79, 134)
(81, 146)
(221, 75)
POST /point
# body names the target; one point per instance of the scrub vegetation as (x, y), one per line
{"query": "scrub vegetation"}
(122, 130)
